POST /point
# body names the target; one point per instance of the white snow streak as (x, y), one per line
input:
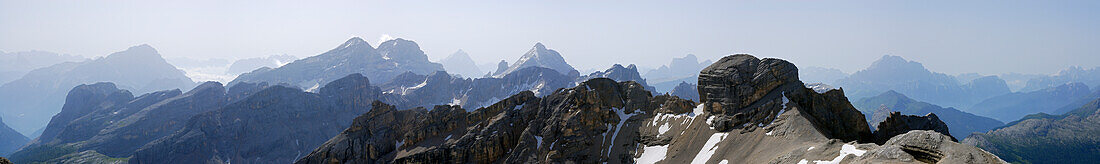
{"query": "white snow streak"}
(844, 152)
(709, 148)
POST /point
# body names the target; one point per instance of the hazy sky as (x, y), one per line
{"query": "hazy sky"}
(948, 36)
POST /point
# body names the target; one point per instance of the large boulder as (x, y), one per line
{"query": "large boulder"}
(897, 124)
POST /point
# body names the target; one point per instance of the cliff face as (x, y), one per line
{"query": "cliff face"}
(103, 120)
(275, 124)
(752, 111)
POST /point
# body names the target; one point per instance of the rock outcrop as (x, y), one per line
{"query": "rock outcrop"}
(619, 73)
(897, 124)
(924, 146)
(585, 124)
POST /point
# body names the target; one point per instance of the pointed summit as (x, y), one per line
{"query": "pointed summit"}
(460, 63)
(540, 56)
(354, 41)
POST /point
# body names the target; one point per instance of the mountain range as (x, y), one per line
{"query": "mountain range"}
(913, 80)
(30, 101)
(391, 58)
(602, 120)
(1045, 138)
(1088, 76)
(962, 124)
(1013, 106)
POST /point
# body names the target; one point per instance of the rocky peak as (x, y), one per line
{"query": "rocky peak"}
(501, 67)
(736, 82)
(742, 91)
(402, 50)
(540, 56)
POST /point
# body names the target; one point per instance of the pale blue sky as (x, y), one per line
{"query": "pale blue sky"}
(948, 36)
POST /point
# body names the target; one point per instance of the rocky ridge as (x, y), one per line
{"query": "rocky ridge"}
(752, 110)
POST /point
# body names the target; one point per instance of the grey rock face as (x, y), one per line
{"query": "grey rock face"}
(276, 124)
(113, 123)
(390, 59)
(897, 124)
(523, 128)
(924, 146)
(601, 120)
(619, 73)
(686, 91)
(743, 90)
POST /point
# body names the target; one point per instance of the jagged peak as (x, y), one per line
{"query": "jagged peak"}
(354, 42)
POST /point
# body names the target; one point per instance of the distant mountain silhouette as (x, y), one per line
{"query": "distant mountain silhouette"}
(102, 120)
(14, 65)
(539, 56)
(29, 102)
(1089, 76)
(821, 75)
(961, 123)
(390, 59)
(683, 69)
(1013, 106)
(460, 63)
(245, 65)
(913, 80)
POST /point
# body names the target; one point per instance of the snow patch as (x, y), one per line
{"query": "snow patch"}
(455, 101)
(844, 152)
(698, 110)
(622, 119)
(652, 154)
(811, 148)
(724, 162)
(447, 138)
(708, 148)
(399, 143)
(538, 142)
